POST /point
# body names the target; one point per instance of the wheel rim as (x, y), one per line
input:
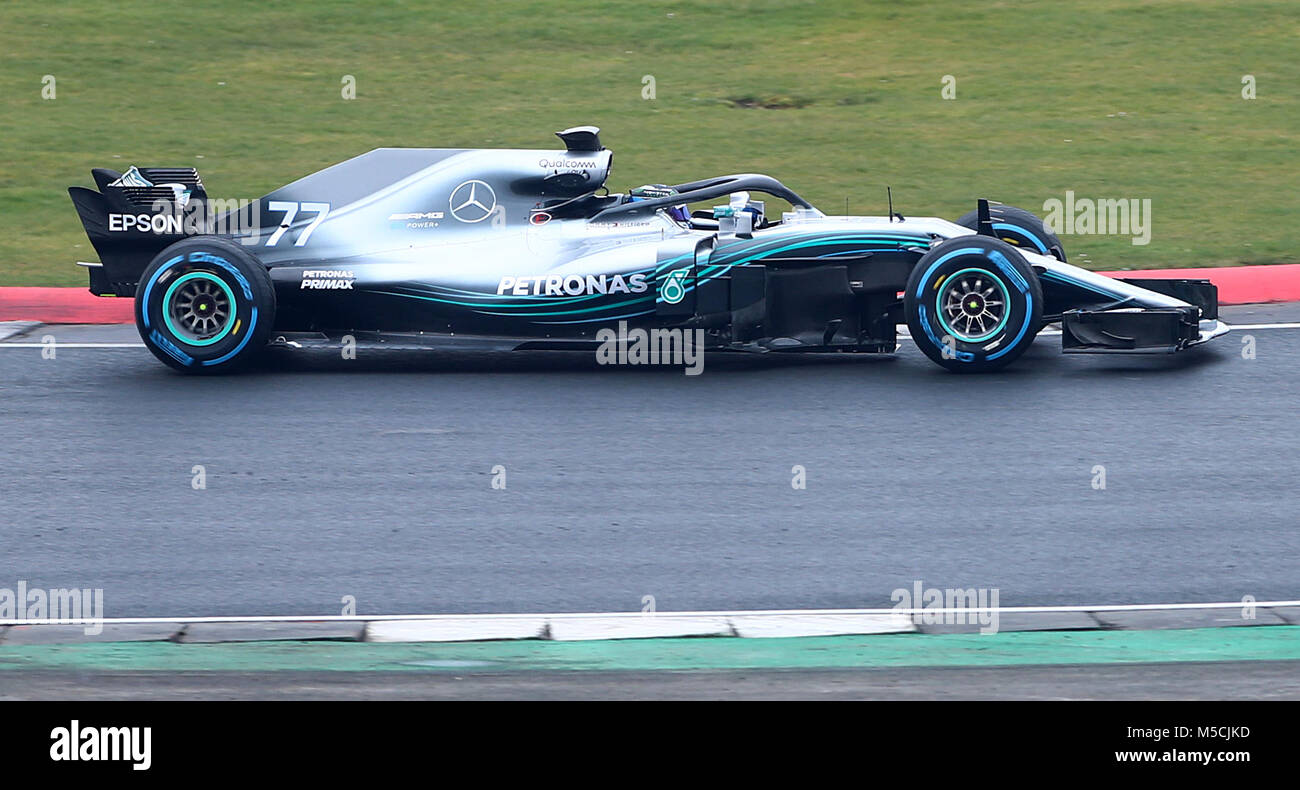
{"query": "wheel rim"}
(199, 308)
(973, 305)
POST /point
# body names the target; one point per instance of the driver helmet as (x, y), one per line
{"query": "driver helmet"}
(652, 191)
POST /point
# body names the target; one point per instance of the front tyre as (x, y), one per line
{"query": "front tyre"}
(205, 305)
(973, 304)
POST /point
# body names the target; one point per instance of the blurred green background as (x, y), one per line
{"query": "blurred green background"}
(1109, 99)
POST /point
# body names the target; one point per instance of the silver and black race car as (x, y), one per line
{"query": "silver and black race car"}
(527, 249)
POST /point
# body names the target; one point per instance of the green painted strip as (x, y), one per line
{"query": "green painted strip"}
(894, 650)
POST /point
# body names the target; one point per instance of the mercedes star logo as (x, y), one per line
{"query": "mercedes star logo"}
(473, 201)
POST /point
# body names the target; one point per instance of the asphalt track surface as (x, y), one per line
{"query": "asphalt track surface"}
(1232, 680)
(373, 478)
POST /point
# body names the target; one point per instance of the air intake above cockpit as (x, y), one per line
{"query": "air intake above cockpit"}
(581, 138)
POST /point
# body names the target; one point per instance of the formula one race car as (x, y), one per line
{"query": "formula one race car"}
(523, 249)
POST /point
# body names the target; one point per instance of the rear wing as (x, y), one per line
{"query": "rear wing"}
(132, 217)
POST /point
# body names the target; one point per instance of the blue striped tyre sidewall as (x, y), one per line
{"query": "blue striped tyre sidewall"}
(1007, 272)
(239, 275)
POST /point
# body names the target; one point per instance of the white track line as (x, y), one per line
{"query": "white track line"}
(59, 344)
(1233, 327)
(903, 335)
(724, 613)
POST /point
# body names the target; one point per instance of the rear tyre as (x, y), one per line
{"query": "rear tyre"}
(973, 304)
(205, 305)
(1020, 228)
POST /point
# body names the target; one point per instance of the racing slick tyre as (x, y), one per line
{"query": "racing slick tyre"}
(973, 304)
(205, 305)
(1019, 227)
